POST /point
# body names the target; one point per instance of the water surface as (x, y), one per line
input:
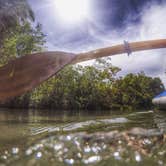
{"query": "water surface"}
(48, 137)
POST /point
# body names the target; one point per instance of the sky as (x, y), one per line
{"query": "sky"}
(102, 23)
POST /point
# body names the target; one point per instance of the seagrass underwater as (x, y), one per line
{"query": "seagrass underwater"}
(37, 137)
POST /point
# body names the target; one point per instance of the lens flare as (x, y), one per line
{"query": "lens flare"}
(72, 11)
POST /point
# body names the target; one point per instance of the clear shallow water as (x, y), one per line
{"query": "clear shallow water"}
(82, 138)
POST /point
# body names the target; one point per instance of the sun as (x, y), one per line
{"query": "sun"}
(72, 11)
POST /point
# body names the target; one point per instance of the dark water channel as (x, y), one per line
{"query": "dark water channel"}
(42, 137)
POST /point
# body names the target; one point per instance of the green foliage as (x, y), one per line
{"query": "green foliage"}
(19, 36)
(137, 90)
(12, 13)
(75, 87)
(93, 87)
(24, 40)
(78, 87)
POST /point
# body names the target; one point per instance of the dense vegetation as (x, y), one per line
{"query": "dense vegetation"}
(92, 87)
(19, 34)
(75, 87)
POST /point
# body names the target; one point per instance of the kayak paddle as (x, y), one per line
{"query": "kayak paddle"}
(27, 72)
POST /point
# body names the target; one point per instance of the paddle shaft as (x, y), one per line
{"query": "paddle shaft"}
(27, 72)
(119, 49)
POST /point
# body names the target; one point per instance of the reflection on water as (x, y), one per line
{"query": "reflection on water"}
(82, 138)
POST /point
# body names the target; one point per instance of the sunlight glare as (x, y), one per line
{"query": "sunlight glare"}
(72, 11)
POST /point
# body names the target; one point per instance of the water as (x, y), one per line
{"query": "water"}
(42, 137)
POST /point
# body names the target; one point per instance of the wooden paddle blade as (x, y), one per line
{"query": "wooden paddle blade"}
(25, 73)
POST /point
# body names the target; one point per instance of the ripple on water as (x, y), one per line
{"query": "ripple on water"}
(79, 125)
(55, 144)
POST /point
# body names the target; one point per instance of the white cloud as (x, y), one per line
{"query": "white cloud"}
(92, 36)
(152, 26)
